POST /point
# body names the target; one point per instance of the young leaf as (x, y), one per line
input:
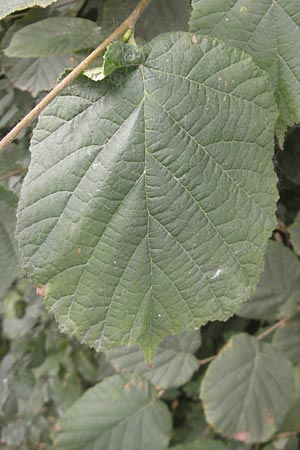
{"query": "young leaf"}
(120, 412)
(247, 390)
(53, 36)
(9, 6)
(277, 293)
(9, 257)
(287, 340)
(133, 211)
(174, 362)
(120, 55)
(269, 30)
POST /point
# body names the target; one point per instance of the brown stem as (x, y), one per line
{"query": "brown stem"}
(11, 174)
(129, 23)
(269, 330)
(202, 362)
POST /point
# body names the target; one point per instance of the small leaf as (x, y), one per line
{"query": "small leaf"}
(174, 362)
(287, 340)
(247, 390)
(268, 30)
(9, 256)
(53, 36)
(132, 214)
(277, 293)
(9, 6)
(120, 55)
(120, 412)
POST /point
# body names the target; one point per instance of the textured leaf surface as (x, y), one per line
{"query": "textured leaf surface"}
(269, 30)
(277, 293)
(133, 211)
(119, 413)
(120, 55)
(9, 261)
(174, 362)
(53, 36)
(247, 390)
(160, 16)
(9, 6)
(287, 340)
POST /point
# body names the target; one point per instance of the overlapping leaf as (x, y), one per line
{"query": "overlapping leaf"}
(174, 362)
(133, 211)
(9, 257)
(295, 234)
(247, 390)
(203, 444)
(269, 30)
(53, 36)
(291, 422)
(9, 6)
(119, 413)
(277, 293)
(287, 340)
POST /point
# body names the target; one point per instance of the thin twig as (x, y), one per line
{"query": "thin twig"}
(129, 23)
(202, 362)
(269, 330)
(16, 172)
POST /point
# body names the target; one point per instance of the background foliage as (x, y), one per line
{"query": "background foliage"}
(57, 393)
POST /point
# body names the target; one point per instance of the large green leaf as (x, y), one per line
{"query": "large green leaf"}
(247, 390)
(160, 16)
(277, 293)
(9, 257)
(174, 362)
(119, 413)
(53, 36)
(9, 6)
(133, 211)
(287, 340)
(269, 30)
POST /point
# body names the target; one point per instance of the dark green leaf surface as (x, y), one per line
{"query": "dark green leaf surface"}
(277, 293)
(133, 211)
(287, 340)
(119, 413)
(174, 362)
(9, 6)
(269, 30)
(53, 36)
(9, 259)
(247, 390)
